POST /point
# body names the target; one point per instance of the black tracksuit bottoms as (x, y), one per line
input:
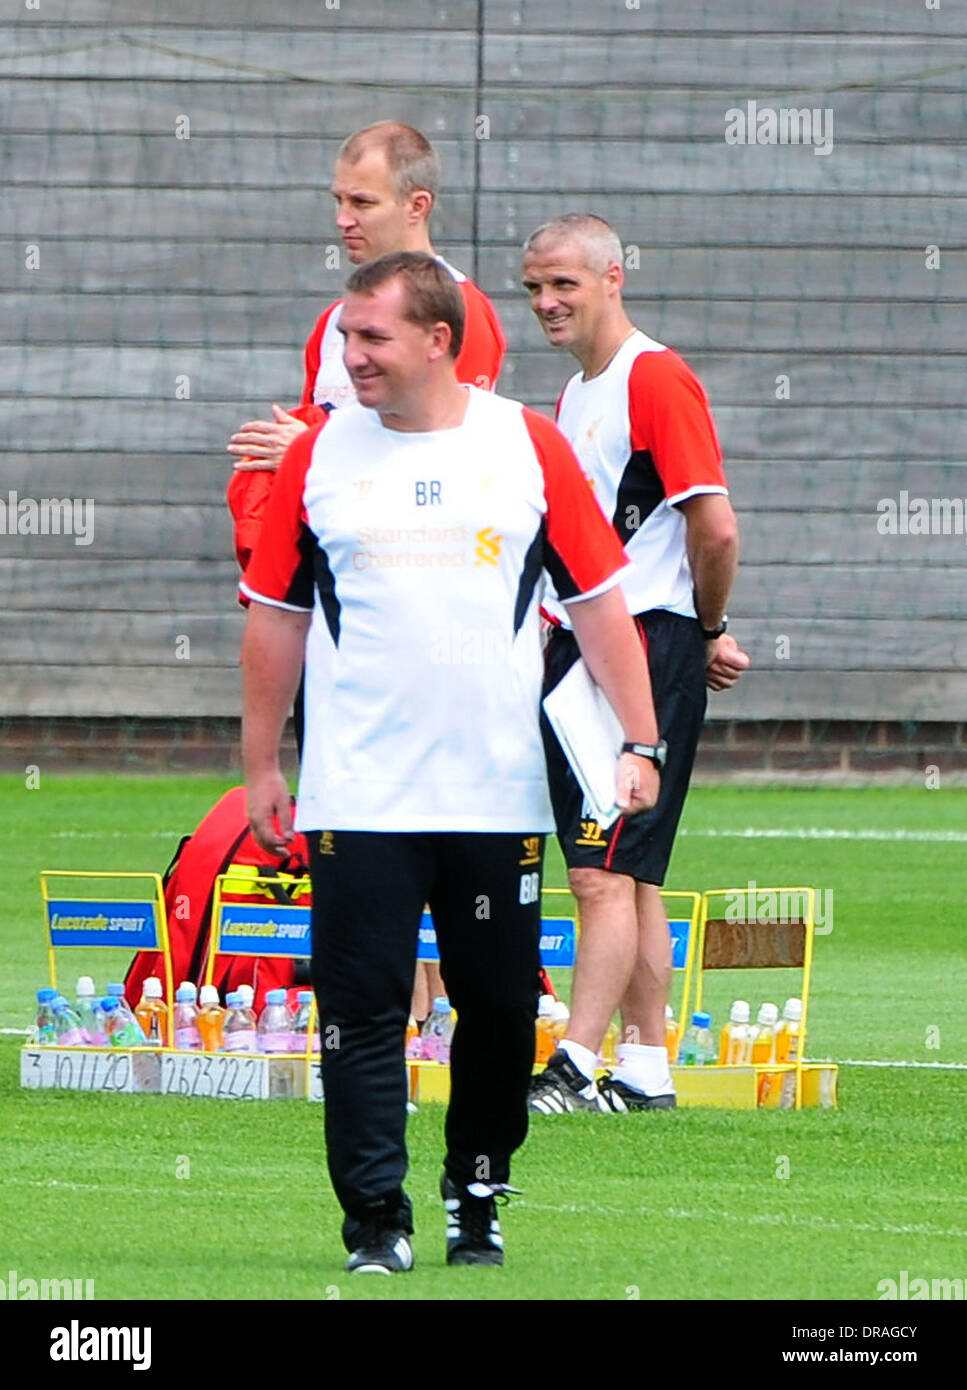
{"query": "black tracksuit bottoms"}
(369, 890)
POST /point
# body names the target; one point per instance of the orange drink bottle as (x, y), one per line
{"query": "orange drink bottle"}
(671, 1035)
(152, 1013)
(211, 1018)
(764, 1042)
(735, 1042)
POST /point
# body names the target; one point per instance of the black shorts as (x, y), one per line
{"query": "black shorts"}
(639, 846)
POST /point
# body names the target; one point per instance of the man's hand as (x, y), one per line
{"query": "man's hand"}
(724, 662)
(261, 443)
(269, 812)
(637, 783)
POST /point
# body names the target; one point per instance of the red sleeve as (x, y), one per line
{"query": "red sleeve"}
(248, 493)
(581, 550)
(671, 418)
(280, 570)
(482, 354)
(313, 351)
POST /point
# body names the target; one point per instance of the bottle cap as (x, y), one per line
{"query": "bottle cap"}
(60, 1005)
(561, 1012)
(208, 994)
(185, 994)
(247, 994)
(305, 996)
(274, 996)
(769, 1013)
(669, 1012)
(85, 987)
(234, 999)
(793, 1010)
(701, 1020)
(152, 988)
(188, 984)
(45, 996)
(109, 1004)
(545, 1006)
(740, 1012)
(116, 990)
(441, 1004)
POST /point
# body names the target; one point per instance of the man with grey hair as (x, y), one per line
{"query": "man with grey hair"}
(640, 425)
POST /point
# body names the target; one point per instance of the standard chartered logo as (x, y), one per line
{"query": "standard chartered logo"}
(488, 547)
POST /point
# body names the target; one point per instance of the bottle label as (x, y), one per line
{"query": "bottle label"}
(275, 1042)
(187, 1039)
(73, 1037)
(244, 1040)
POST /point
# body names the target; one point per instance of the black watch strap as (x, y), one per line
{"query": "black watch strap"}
(654, 752)
(710, 633)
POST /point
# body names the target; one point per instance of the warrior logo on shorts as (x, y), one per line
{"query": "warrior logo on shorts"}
(591, 836)
(531, 845)
(326, 843)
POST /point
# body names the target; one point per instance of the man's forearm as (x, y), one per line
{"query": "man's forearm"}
(713, 569)
(614, 655)
(273, 650)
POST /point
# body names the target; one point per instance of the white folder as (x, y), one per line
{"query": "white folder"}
(588, 731)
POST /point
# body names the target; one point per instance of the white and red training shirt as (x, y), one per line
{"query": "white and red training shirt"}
(327, 382)
(421, 557)
(643, 432)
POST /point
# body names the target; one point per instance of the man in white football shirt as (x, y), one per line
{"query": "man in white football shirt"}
(640, 425)
(408, 533)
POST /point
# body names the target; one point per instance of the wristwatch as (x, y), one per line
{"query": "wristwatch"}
(655, 752)
(710, 633)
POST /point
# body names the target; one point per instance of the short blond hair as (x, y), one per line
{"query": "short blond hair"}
(413, 162)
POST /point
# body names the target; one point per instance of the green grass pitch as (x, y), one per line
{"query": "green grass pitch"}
(684, 1205)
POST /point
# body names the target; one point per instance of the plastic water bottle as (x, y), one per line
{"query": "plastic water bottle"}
(299, 1024)
(121, 1031)
(438, 1032)
(735, 1043)
(412, 1048)
(86, 998)
(125, 1011)
(273, 1029)
(46, 1032)
(544, 1040)
(187, 1036)
(67, 1025)
(698, 1045)
(211, 1019)
(764, 1042)
(788, 1032)
(152, 1013)
(239, 1030)
(671, 1035)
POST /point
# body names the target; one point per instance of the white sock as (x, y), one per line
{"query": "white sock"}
(644, 1069)
(583, 1058)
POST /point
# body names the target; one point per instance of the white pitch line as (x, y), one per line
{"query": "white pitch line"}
(924, 1066)
(115, 834)
(818, 832)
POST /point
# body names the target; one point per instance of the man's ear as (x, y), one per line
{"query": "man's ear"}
(420, 204)
(615, 276)
(442, 337)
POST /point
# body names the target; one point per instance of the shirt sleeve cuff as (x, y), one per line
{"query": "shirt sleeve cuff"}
(256, 597)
